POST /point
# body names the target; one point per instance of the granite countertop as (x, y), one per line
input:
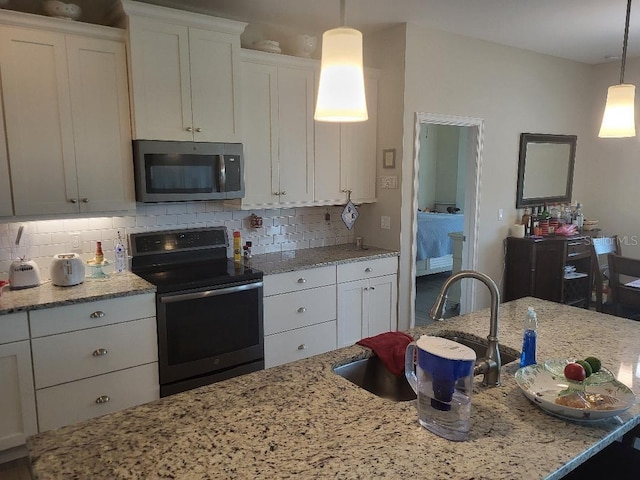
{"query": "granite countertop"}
(301, 420)
(47, 295)
(280, 262)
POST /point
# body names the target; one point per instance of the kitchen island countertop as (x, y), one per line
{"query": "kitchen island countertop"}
(301, 420)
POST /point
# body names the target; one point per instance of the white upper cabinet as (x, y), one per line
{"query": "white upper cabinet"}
(346, 154)
(67, 116)
(278, 102)
(184, 70)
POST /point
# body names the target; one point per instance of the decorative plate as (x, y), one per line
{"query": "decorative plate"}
(556, 367)
(542, 387)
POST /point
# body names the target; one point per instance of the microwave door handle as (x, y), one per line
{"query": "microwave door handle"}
(222, 173)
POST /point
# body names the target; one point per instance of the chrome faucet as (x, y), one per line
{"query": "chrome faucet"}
(490, 364)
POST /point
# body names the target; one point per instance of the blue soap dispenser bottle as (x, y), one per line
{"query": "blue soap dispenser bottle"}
(528, 356)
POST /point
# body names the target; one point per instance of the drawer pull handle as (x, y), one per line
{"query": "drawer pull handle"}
(102, 399)
(101, 352)
(302, 310)
(302, 280)
(368, 269)
(98, 314)
(302, 347)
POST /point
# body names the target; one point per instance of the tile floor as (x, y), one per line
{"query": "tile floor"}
(427, 289)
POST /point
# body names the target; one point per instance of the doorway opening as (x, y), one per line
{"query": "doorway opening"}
(448, 153)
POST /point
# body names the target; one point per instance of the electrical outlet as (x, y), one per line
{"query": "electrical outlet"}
(74, 240)
(500, 214)
(385, 222)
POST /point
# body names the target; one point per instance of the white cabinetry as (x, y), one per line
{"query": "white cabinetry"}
(17, 399)
(299, 314)
(367, 299)
(345, 155)
(94, 358)
(277, 116)
(185, 74)
(66, 107)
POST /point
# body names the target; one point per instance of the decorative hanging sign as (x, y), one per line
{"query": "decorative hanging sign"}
(350, 214)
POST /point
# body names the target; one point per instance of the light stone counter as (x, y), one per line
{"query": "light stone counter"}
(301, 420)
(280, 262)
(48, 295)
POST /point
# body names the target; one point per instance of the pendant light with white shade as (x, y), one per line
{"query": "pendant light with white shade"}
(618, 120)
(341, 94)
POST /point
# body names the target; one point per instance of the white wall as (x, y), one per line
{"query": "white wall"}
(427, 171)
(446, 162)
(283, 229)
(514, 91)
(607, 184)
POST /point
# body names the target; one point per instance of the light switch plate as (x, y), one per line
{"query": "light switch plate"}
(385, 222)
(388, 181)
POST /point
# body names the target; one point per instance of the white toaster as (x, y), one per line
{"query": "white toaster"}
(66, 269)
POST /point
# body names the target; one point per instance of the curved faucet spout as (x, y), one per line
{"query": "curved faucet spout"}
(491, 361)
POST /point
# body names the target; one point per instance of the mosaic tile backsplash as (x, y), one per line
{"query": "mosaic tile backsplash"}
(282, 229)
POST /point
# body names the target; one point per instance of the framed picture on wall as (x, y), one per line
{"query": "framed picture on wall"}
(389, 158)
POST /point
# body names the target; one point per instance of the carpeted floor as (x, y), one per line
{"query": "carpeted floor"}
(427, 289)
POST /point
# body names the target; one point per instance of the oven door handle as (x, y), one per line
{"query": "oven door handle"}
(209, 293)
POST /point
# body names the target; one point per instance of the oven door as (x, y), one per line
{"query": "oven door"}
(209, 334)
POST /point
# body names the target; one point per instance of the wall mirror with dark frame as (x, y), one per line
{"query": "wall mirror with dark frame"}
(545, 169)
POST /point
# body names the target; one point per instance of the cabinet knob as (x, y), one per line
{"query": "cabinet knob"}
(102, 399)
(302, 280)
(302, 310)
(189, 129)
(98, 314)
(302, 347)
(277, 193)
(73, 200)
(100, 352)
(283, 192)
(198, 129)
(368, 270)
(366, 288)
(85, 200)
(372, 288)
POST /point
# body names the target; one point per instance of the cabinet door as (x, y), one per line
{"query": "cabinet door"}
(382, 298)
(260, 124)
(38, 120)
(215, 85)
(549, 270)
(295, 124)
(102, 132)
(17, 399)
(359, 148)
(6, 202)
(160, 80)
(329, 164)
(351, 312)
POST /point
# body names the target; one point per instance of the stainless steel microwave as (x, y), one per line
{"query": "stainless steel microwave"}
(168, 171)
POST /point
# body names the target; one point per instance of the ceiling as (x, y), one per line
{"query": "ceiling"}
(589, 31)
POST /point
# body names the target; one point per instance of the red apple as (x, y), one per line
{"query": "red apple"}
(575, 371)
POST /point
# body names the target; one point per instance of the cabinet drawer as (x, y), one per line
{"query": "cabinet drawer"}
(578, 248)
(300, 343)
(348, 272)
(14, 327)
(72, 356)
(299, 309)
(76, 401)
(91, 314)
(299, 280)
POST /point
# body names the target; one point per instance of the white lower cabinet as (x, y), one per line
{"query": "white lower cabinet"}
(299, 315)
(367, 299)
(17, 399)
(94, 358)
(83, 399)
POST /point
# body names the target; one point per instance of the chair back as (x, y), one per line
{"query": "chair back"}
(623, 270)
(600, 248)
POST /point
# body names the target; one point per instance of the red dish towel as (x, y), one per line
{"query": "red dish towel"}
(390, 347)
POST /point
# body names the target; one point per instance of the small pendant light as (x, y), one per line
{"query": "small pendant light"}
(618, 120)
(341, 95)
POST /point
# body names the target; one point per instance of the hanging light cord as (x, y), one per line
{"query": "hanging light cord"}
(624, 43)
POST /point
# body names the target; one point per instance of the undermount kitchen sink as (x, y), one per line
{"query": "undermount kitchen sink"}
(371, 374)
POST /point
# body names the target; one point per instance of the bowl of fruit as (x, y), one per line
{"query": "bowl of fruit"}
(575, 389)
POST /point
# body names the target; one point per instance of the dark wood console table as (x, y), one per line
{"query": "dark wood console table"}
(535, 267)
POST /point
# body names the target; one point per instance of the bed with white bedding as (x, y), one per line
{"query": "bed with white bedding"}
(434, 246)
